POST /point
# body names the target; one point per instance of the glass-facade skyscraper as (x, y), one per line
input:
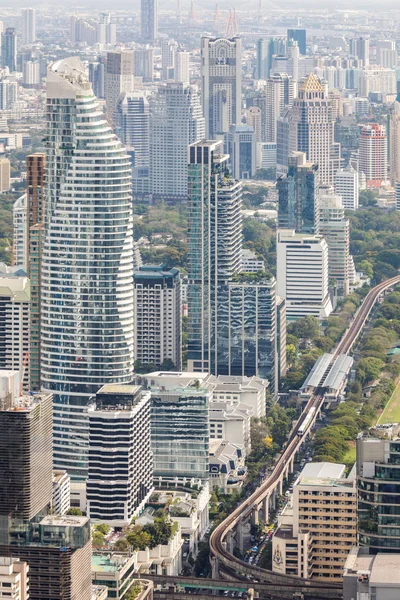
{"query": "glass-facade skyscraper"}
(87, 265)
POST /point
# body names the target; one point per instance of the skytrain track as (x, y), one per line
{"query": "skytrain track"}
(217, 540)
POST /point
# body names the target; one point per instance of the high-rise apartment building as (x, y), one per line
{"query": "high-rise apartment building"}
(359, 47)
(97, 75)
(214, 253)
(303, 276)
(180, 428)
(168, 53)
(88, 222)
(336, 230)
(298, 196)
(377, 79)
(14, 579)
(318, 527)
(31, 74)
(157, 317)
(118, 78)
(9, 49)
(132, 117)
(120, 478)
(394, 142)
(14, 321)
(8, 93)
(348, 187)
(181, 69)
(397, 195)
(144, 63)
(299, 36)
(265, 52)
(254, 119)
(279, 96)
(106, 31)
(4, 175)
(241, 144)
(149, 21)
(176, 121)
(28, 25)
(386, 55)
(20, 237)
(221, 68)
(312, 127)
(373, 155)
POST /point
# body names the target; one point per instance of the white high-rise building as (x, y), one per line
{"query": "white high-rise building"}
(377, 80)
(279, 95)
(176, 121)
(120, 479)
(221, 67)
(386, 55)
(168, 53)
(132, 117)
(182, 72)
(118, 78)
(303, 274)
(336, 230)
(8, 93)
(31, 73)
(28, 25)
(394, 142)
(20, 232)
(87, 326)
(348, 187)
(373, 155)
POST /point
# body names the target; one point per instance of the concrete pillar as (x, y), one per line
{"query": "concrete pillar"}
(250, 594)
(266, 509)
(214, 567)
(229, 542)
(292, 464)
(255, 515)
(281, 486)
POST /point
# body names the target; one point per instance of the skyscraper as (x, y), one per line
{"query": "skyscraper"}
(176, 120)
(118, 78)
(312, 127)
(373, 155)
(87, 327)
(299, 36)
(359, 47)
(241, 145)
(279, 95)
(347, 186)
(221, 68)
(132, 117)
(149, 21)
(144, 63)
(336, 230)
(214, 253)
(298, 196)
(394, 141)
(28, 25)
(9, 49)
(265, 51)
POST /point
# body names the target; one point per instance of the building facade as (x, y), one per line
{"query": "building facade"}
(14, 579)
(9, 49)
(118, 78)
(88, 222)
(241, 143)
(28, 25)
(149, 21)
(132, 118)
(336, 230)
(373, 155)
(348, 187)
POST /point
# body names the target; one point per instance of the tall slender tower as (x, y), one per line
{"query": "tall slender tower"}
(221, 68)
(9, 49)
(118, 79)
(394, 142)
(28, 25)
(149, 21)
(87, 288)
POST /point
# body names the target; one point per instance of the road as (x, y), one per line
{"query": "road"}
(217, 546)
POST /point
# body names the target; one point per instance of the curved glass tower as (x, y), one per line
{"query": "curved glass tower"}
(87, 272)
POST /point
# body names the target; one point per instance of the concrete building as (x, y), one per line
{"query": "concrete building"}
(120, 478)
(9, 49)
(149, 21)
(319, 526)
(221, 67)
(373, 155)
(14, 579)
(348, 187)
(231, 422)
(8, 97)
(132, 117)
(377, 80)
(250, 262)
(302, 267)
(227, 471)
(265, 52)
(14, 321)
(31, 74)
(237, 390)
(117, 572)
(4, 175)
(28, 25)
(157, 314)
(359, 47)
(299, 36)
(118, 78)
(180, 427)
(298, 196)
(371, 576)
(176, 121)
(394, 142)
(182, 67)
(279, 92)
(61, 496)
(143, 63)
(20, 233)
(241, 147)
(336, 230)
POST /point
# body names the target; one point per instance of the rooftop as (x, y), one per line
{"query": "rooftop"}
(108, 562)
(117, 389)
(63, 521)
(322, 470)
(312, 84)
(385, 570)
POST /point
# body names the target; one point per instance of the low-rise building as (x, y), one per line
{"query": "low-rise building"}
(227, 471)
(371, 576)
(231, 423)
(236, 389)
(250, 262)
(319, 526)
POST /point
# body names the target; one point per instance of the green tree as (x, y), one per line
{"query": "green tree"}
(98, 539)
(368, 369)
(74, 511)
(103, 528)
(306, 327)
(139, 539)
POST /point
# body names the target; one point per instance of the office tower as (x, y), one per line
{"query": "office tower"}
(299, 36)
(143, 60)
(347, 186)
(149, 21)
(180, 428)
(298, 196)
(118, 78)
(93, 341)
(9, 49)
(319, 525)
(281, 318)
(8, 93)
(176, 121)
(302, 268)
(347, 134)
(214, 252)
(106, 31)
(397, 195)
(31, 74)
(373, 155)
(265, 51)
(378, 476)
(248, 337)
(14, 579)
(157, 316)
(359, 47)
(181, 71)
(132, 125)
(120, 477)
(28, 25)
(61, 494)
(283, 132)
(221, 66)
(394, 141)
(14, 321)
(376, 80)
(279, 96)
(20, 233)
(82, 32)
(312, 127)
(254, 120)
(336, 230)
(35, 168)
(168, 52)
(293, 53)
(4, 175)
(241, 144)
